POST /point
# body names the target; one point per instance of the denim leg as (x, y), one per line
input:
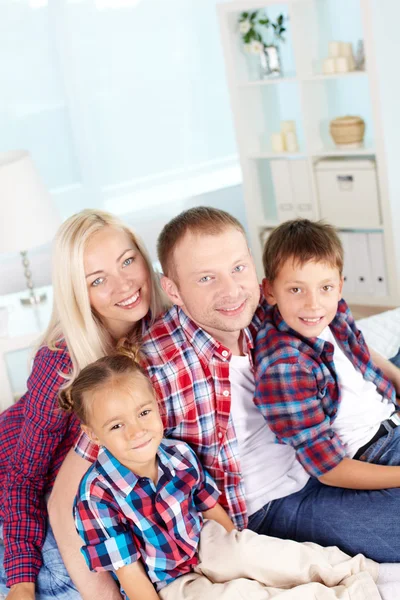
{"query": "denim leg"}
(357, 521)
(53, 580)
(396, 359)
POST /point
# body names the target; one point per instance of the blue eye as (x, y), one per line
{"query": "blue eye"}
(205, 279)
(128, 261)
(97, 282)
(239, 268)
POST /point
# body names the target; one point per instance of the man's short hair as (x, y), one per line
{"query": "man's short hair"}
(199, 220)
(301, 240)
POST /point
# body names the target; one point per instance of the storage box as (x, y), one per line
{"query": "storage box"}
(348, 192)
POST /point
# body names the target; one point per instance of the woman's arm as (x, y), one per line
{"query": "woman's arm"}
(43, 437)
(90, 585)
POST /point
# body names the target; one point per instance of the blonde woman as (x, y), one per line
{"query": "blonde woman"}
(104, 289)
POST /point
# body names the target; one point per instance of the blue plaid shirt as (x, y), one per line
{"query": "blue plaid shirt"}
(297, 387)
(122, 518)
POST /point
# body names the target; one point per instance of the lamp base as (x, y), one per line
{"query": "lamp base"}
(33, 299)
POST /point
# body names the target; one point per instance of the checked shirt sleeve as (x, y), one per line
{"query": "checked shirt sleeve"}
(206, 494)
(287, 395)
(109, 545)
(43, 428)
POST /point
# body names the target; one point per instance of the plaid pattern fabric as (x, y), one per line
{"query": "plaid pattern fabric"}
(190, 374)
(35, 437)
(297, 388)
(121, 517)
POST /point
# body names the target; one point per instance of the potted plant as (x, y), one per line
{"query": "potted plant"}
(261, 36)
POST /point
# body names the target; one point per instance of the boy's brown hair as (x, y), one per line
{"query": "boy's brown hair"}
(201, 219)
(302, 240)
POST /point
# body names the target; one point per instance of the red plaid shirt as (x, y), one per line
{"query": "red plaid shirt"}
(298, 390)
(190, 374)
(35, 437)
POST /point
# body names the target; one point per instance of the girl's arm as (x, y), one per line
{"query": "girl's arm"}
(219, 514)
(135, 583)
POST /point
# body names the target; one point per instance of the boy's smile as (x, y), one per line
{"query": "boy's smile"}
(307, 295)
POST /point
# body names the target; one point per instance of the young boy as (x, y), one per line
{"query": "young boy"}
(318, 385)
(141, 505)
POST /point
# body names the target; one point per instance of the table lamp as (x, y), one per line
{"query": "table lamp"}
(28, 217)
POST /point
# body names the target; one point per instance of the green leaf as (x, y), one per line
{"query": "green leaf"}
(264, 22)
(280, 19)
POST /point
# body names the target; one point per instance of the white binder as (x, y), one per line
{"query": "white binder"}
(378, 267)
(283, 190)
(301, 187)
(349, 271)
(360, 262)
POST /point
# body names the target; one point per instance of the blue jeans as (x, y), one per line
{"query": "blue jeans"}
(53, 580)
(365, 521)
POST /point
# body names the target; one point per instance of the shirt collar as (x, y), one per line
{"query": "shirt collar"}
(204, 344)
(317, 344)
(123, 480)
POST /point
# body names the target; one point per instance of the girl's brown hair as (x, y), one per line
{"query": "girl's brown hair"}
(96, 375)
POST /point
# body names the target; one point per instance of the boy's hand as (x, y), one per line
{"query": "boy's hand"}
(135, 582)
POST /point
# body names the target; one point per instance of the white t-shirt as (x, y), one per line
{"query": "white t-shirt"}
(270, 470)
(362, 408)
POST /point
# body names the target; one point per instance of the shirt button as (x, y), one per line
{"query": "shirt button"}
(225, 393)
(224, 352)
(220, 434)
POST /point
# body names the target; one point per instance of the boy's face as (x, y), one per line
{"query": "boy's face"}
(307, 295)
(124, 417)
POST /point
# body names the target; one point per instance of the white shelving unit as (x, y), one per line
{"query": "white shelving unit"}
(311, 99)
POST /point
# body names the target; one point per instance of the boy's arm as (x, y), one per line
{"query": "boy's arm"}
(219, 514)
(389, 369)
(359, 475)
(289, 394)
(135, 583)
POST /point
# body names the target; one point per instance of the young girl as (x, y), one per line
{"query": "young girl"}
(141, 506)
(104, 288)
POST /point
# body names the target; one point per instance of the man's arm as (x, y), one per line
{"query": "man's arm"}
(90, 585)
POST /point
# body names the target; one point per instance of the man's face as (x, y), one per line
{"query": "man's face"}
(215, 282)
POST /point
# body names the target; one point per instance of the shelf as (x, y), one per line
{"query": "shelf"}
(275, 155)
(343, 152)
(323, 77)
(262, 82)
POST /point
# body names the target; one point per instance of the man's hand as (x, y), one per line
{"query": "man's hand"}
(22, 591)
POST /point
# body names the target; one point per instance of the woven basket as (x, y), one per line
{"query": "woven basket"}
(347, 130)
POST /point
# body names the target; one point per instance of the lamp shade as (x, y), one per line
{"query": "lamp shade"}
(28, 217)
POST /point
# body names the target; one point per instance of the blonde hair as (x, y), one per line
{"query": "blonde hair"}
(301, 240)
(200, 219)
(72, 318)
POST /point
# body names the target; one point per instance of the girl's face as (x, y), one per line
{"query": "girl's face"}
(124, 418)
(118, 280)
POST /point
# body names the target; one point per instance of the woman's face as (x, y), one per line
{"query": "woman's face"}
(118, 280)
